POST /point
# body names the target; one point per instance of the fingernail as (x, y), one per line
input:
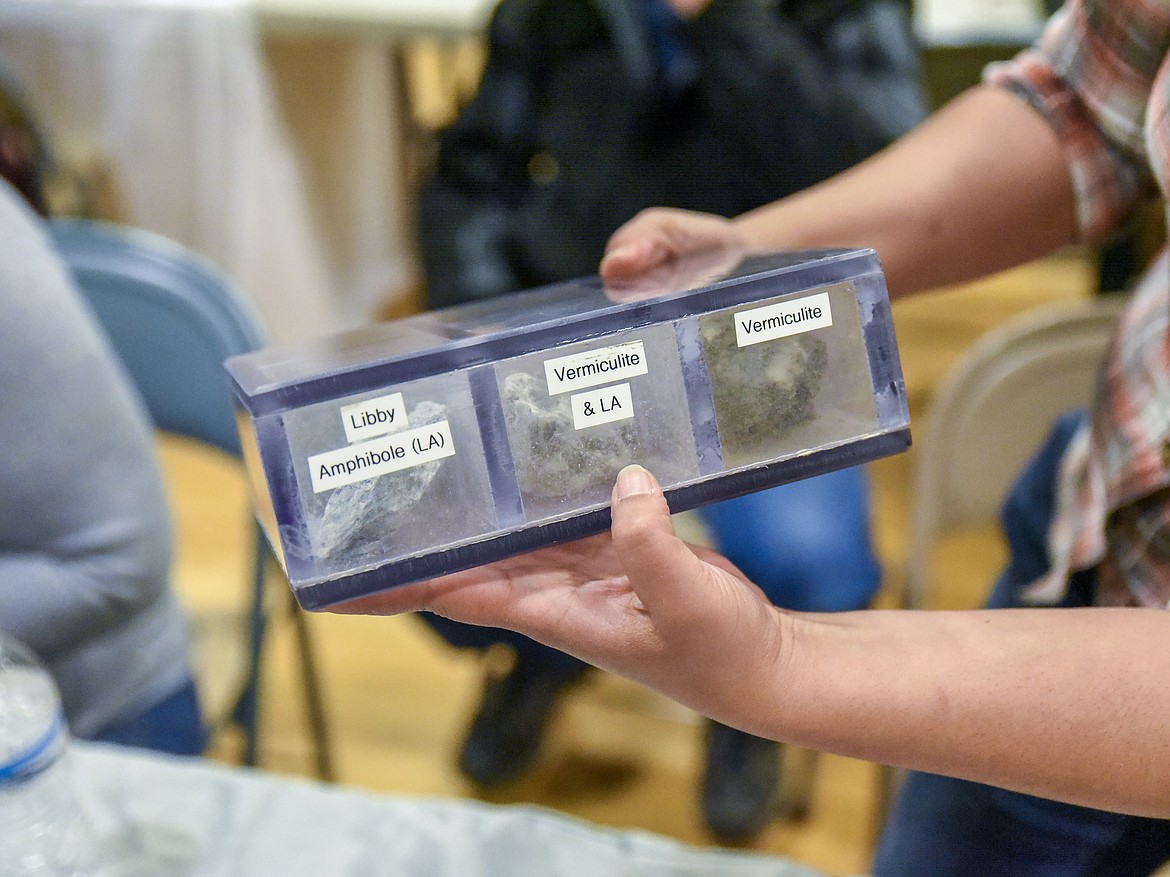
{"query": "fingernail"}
(633, 481)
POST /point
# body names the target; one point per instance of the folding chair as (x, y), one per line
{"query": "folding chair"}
(173, 319)
(990, 414)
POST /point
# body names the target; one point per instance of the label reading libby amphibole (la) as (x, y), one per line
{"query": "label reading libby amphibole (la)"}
(780, 320)
(605, 365)
(401, 450)
(374, 417)
(605, 405)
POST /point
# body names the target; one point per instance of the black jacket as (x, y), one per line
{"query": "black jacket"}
(590, 110)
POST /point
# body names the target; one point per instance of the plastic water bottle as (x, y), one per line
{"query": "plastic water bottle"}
(42, 832)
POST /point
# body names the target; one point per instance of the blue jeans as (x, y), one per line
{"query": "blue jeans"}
(806, 544)
(942, 827)
(175, 725)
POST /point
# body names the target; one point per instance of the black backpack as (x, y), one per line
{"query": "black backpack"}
(590, 110)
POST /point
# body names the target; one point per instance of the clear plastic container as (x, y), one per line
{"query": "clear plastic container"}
(455, 437)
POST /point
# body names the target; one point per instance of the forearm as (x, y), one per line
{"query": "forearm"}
(1072, 704)
(982, 186)
(1066, 704)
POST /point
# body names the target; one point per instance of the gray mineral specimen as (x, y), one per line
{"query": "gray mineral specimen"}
(552, 458)
(357, 515)
(763, 390)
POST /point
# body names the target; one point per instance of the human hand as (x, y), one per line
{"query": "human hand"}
(675, 275)
(689, 8)
(660, 235)
(636, 601)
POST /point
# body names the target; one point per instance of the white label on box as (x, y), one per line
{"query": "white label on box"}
(602, 406)
(374, 417)
(780, 320)
(401, 450)
(602, 366)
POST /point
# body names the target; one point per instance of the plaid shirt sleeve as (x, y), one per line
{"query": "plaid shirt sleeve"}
(1091, 74)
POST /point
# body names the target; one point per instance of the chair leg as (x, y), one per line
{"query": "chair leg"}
(247, 709)
(245, 714)
(889, 781)
(314, 698)
(800, 772)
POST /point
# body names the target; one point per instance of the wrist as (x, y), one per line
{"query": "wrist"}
(758, 232)
(760, 703)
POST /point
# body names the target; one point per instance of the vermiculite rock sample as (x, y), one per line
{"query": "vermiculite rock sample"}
(356, 515)
(552, 458)
(763, 390)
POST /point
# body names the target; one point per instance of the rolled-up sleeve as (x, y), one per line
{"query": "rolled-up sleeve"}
(1091, 75)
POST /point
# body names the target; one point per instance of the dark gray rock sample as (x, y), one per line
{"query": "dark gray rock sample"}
(357, 516)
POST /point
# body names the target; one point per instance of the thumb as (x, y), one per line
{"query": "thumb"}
(657, 563)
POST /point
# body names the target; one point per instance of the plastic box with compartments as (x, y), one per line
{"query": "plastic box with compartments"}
(452, 438)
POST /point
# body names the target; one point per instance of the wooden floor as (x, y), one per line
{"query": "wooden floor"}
(618, 754)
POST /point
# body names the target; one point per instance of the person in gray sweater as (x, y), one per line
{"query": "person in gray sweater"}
(85, 537)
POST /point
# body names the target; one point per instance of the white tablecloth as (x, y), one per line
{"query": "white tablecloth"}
(177, 97)
(164, 817)
(386, 19)
(951, 22)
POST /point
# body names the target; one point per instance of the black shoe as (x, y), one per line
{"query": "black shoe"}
(505, 736)
(741, 784)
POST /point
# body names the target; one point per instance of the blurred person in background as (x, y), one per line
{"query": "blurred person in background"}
(589, 111)
(85, 538)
